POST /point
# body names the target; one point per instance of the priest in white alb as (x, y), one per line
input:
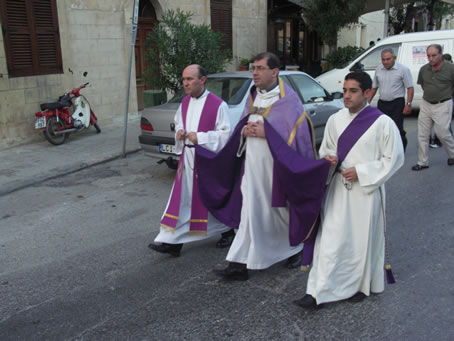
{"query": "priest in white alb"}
(202, 119)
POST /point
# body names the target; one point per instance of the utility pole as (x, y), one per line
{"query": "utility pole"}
(135, 20)
(385, 29)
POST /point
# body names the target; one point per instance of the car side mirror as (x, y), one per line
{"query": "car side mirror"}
(357, 67)
(337, 95)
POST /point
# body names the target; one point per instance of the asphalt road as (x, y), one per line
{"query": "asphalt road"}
(74, 265)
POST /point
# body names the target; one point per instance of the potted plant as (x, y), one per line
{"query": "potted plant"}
(244, 64)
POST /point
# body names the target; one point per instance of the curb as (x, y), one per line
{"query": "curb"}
(28, 183)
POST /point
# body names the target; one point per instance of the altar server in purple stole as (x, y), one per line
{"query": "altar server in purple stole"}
(365, 149)
(202, 119)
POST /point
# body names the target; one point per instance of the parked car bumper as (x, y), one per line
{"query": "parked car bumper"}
(150, 146)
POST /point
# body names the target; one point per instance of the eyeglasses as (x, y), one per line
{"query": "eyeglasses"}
(260, 68)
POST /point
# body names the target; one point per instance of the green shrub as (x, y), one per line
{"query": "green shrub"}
(342, 56)
(176, 43)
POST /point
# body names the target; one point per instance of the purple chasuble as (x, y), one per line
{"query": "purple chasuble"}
(289, 136)
(199, 213)
(357, 127)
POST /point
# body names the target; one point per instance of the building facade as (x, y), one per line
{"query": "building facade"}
(47, 45)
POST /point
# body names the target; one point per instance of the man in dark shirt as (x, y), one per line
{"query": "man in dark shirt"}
(437, 81)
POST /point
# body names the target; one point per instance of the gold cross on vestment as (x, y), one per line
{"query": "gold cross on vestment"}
(257, 111)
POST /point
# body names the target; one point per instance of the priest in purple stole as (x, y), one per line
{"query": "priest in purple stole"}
(365, 149)
(202, 119)
(253, 184)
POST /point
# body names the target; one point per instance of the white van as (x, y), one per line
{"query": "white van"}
(410, 49)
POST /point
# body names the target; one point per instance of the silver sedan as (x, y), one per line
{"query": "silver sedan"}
(158, 129)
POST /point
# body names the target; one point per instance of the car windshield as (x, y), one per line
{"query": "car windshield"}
(231, 90)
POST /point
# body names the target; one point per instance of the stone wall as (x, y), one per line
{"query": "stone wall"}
(249, 28)
(95, 37)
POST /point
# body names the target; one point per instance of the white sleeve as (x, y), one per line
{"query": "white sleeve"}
(408, 79)
(373, 174)
(215, 139)
(329, 142)
(178, 119)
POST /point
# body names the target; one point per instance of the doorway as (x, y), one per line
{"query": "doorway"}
(147, 21)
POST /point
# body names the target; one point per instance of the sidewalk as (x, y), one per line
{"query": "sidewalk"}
(30, 164)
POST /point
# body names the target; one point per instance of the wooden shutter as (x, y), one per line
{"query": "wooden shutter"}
(221, 20)
(31, 36)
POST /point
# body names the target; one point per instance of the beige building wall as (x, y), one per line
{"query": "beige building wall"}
(370, 27)
(249, 28)
(95, 37)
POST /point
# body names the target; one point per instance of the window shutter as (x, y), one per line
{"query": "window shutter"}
(47, 36)
(32, 41)
(221, 20)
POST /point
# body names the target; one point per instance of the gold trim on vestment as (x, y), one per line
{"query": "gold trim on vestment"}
(314, 147)
(281, 87)
(168, 228)
(295, 127)
(171, 216)
(260, 111)
(265, 111)
(251, 102)
(313, 225)
(198, 220)
(200, 233)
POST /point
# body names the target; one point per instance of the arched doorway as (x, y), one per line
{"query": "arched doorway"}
(147, 21)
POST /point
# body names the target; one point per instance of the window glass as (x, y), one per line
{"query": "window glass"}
(373, 59)
(231, 90)
(309, 89)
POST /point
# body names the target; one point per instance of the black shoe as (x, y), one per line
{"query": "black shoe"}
(307, 302)
(171, 249)
(358, 297)
(418, 167)
(295, 261)
(226, 239)
(234, 272)
(450, 162)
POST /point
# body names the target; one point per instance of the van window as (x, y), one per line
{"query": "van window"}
(373, 59)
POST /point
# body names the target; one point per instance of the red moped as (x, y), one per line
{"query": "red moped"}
(71, 113)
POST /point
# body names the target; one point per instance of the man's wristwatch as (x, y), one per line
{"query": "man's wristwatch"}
(409, 103)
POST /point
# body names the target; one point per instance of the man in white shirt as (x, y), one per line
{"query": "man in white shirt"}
(393, 78)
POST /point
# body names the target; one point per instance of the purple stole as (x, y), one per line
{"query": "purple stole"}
(360, 124)
(199, 213)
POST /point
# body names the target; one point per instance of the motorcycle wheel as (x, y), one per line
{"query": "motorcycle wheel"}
(98, 130)
(52, 126)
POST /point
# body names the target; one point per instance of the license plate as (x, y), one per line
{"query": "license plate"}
(40, 122)
(167, 148)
